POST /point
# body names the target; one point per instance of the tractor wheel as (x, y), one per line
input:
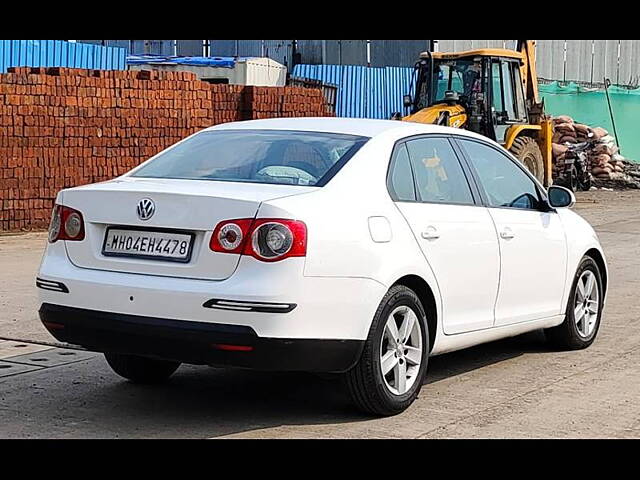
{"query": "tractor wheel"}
(528, 152)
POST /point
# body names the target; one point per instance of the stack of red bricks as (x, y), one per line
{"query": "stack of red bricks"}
(228, 103)
(269, 102)
(66, 127)
(303, 102)
(262, 102)
(63, 127)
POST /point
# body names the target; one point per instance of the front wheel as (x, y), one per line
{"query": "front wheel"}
(527, 151)
(141, 369)
(391, 370)
(584, 310)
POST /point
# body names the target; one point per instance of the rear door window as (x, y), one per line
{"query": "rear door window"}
(439, 176)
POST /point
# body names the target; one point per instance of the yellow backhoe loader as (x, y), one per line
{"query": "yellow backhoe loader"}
(493, 92)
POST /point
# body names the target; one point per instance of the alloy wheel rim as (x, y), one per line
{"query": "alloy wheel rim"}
(401, 350)
(586, 304)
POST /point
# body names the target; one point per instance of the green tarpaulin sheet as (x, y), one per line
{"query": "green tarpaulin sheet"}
(589, 106)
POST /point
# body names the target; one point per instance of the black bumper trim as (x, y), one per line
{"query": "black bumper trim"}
(193, 342)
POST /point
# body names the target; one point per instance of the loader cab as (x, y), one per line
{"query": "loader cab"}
(487, 83)
(508, 105)
(462, 76)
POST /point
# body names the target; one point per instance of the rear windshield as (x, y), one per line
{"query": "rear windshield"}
(260, 156)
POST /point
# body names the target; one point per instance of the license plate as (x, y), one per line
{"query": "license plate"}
(148, 244)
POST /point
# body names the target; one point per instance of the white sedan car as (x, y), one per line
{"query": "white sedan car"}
(350, 246)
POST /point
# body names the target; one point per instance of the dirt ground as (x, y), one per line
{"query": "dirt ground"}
(511, 388)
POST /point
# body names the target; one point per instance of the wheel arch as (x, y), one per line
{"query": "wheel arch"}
(597, 257)
(520, 130)
(426, 295)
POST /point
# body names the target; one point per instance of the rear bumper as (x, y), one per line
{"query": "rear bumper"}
(199, 343)
(285, 303)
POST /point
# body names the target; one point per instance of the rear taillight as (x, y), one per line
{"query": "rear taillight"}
(229, 236)
(267, 239)
(66, 224)
(275, 239)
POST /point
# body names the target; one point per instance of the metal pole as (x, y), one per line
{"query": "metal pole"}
(294, 48)
(593, 52)
(607, 82)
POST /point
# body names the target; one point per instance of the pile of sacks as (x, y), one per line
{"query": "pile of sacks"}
(604, 161)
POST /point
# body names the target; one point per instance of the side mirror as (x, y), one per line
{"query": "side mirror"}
(406, 100)
(560, 197)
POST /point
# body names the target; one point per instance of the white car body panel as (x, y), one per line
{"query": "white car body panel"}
(191, 205)
(359, 244)
(253, 281)
(462, 249)
(451, 343)
(581, 238)
(531, 260)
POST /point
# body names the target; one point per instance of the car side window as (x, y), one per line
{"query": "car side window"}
(438, 173)
(504, 182)
(401, 184)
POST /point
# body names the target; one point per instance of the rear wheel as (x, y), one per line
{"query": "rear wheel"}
(527, 151)
(391, 370)
(584, 180)
(573, 179)
(141, 369)
(584, 310)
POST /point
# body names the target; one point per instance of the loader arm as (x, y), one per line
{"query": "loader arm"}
(528, 70)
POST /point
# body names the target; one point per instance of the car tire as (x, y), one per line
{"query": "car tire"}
(573, 179)
(141, 369)
(527, 151)
(581, 324)
(371, 390)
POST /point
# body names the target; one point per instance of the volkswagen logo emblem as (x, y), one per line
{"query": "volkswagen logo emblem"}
(146, 208)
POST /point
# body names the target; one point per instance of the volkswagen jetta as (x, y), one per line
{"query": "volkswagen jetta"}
(359, 247)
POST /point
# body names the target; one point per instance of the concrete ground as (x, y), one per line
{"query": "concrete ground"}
(515, 388)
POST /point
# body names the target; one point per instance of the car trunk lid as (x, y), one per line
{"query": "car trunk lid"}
(189, 208)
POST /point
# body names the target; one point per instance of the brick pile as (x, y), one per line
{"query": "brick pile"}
(269, 102)
(62, 127)
(228, 102)
(303, 102)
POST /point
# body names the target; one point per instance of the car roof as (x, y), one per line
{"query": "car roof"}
(351, 126)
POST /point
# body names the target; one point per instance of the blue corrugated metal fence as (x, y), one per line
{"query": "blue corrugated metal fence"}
(363, 92)
(59, 53)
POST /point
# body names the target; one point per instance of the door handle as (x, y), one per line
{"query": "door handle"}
(507, 233)
(431, 233)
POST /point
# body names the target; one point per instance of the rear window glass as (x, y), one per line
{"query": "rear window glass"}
(259, 156)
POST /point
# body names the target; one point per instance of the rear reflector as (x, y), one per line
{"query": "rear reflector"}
(232, 348)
